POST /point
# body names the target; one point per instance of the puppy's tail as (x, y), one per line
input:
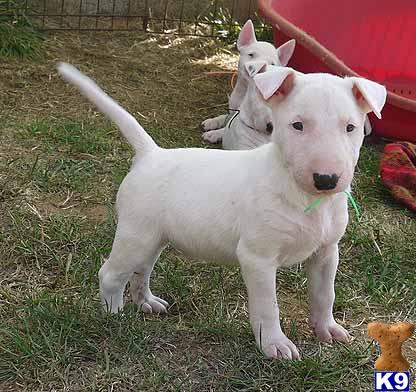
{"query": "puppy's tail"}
(128, 125)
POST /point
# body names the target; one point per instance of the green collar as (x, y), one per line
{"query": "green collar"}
(321, 199)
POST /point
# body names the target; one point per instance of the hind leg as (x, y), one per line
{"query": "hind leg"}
(131, 252)
(140, 290)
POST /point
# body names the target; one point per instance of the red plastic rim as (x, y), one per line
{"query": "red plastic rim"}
(318, 50)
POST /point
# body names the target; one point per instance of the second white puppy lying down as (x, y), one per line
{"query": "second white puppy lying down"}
(250, 51)
(245, 207)
(251, 126)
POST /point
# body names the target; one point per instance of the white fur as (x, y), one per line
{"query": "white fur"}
(250, 50)
(248, 128)
(243, 207)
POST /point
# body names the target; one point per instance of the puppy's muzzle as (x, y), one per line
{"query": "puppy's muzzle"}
(325, 182)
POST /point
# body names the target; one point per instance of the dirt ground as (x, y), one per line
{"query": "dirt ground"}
(148, 75)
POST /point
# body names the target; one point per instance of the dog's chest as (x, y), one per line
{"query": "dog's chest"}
(306, 234)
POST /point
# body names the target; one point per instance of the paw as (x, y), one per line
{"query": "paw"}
(152, 304)
(110, 301)
(330, 331)
(281, 348)
(212, 137)
(208, 125)
(112, 304)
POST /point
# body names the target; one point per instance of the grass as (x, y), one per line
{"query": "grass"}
(71, 136)
(227, 28)
(18, 37)
(60, 166)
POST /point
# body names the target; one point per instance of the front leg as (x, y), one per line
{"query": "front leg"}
(260, 279)
(321, 270)
(214, 136)
(214, 123)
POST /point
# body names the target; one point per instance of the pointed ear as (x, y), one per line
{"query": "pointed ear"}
(247, 35)
(367, 126)
(371, 96)
(285, 52)
(254, 67)
(279, 80)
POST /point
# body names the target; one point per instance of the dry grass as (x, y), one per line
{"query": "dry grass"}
(145, 74)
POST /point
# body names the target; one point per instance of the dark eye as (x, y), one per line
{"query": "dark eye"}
(350, 128)
(298, 126)
(251, 55)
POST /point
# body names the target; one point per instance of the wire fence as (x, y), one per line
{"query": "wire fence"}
(209, 18)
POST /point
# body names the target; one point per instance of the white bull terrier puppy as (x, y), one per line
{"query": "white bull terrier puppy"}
(250, 126)
(250, 50)
(245, 207)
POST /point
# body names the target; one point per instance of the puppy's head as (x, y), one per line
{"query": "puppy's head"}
(319, 124)
(252, 50)
(256, 111)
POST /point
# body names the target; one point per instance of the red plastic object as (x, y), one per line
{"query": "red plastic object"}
(370, 38)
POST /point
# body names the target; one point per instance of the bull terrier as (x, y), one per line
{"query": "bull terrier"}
(250, 50)
(252, 125)
(245, 207)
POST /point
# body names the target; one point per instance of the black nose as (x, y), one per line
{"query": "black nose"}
(325, 182)
(269, 127)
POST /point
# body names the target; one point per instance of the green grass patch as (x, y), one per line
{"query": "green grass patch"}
(58, 157)
(72, 136)
(18, 36)
(56, 337)
(380, 243)
(227, 28)
(61, 174)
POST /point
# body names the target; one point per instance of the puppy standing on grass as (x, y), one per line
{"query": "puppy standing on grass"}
(245, 207)
(255, 54)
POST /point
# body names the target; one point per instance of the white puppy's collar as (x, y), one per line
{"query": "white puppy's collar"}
(238, 113)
